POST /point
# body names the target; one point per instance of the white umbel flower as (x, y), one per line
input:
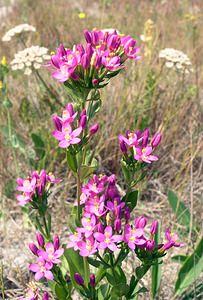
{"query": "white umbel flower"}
(29, 59)
(176, 59)
(17, 30)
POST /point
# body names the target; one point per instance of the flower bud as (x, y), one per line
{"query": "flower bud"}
(145, 137)
(118, 212)
(100, 227)
(127, 214)
(57, 122)
(45, 296)
(150, 244)
(78, 279)
(56, 242)
(70, 109)
(93, 129)
(156, 140)
(92, 280)
(83, 121)
(154, 227)
(122, 145)
(140, 222)
(40, 239)
(117, 225)
(95, 82)
(33, 248)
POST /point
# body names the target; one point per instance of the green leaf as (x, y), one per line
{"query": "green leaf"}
(195, 293)
(131, 199)
(39, 145)
(94, 262)
(179, 258)
(103, 291)
(156, 268)
(60, 291)
(72, 162)
(182, 213)
(115, 276)
(141, 290)
(94, 108)
(190, 270)
(75, 262)
(119, 290)
(86, 171)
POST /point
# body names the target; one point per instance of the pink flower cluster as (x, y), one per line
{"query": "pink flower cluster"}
(138, 143)
(105, 222)
(34, 185)
(32, 294)
(47, 256)
(65, 132)
(105, 51)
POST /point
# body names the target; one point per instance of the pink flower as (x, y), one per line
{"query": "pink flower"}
(27, 185)
(107, 240)
(30, 295)
(88, 226)
(131, 139)
(144, 154)
(88, 247)
(172, 239)
(42, 269)
(23, 199)
(133, 237)
(95, 206)
(74, 239)
(51, 255)
(112, 63)
(68, 137)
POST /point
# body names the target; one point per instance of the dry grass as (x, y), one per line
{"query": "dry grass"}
(174, 106)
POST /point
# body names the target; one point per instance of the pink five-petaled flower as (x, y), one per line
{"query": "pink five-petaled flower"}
(171, 240)
(107, 240)
(51, 255)
(42, 269)
(30, 295)
(27, 185)
(75, 238)
(131, 139)
(88, 225)
(133, 237)
(88, 247)
(144, 154)
(67, 137)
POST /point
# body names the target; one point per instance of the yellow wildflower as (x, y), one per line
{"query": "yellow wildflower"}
(3, 61)
(82, 15)
(1, 84)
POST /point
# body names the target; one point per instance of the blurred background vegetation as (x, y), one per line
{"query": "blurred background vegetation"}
(146, 94)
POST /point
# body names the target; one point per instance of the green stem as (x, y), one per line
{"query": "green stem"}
(78, 195)
(46, 227)
(87, 271)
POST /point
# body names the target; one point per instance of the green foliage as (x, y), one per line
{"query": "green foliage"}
(181, 211)
(156, 268)
(190, 270)
(75, 262)
(131, 199)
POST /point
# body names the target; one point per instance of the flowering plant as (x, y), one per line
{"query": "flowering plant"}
(102, 229)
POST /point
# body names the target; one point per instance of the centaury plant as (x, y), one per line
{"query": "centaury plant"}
(101, 230)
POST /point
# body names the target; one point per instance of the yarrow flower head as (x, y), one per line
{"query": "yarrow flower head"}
(176, 59)
(19, 29)
(47, 256)
(34, 186)
(138, 144)
(90, 65)
(29, 59)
